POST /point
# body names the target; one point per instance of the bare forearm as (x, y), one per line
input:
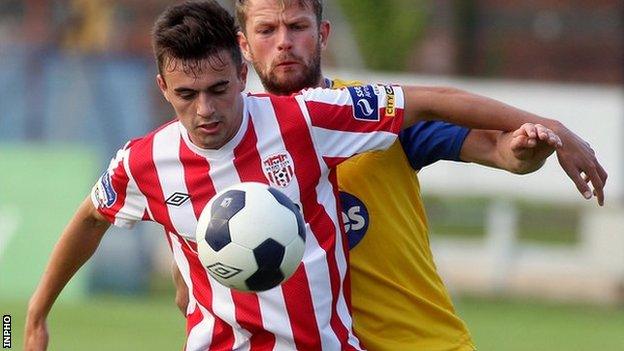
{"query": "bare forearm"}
(480, 147)
(463, 108)
(182, 292)
(76, 245)
(523, 151)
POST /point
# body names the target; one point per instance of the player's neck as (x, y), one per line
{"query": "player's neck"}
(322, 82)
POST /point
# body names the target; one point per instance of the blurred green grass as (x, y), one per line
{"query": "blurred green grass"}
(153, 323)
(521, 325)
(107, 323)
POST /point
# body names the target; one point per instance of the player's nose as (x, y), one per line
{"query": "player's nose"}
(205, 107)
(284, 39)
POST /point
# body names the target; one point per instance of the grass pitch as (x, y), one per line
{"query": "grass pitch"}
(154, 323)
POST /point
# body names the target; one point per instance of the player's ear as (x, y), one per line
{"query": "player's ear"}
(244, 45)
(242, 76)
(162, 85)
(324, 30)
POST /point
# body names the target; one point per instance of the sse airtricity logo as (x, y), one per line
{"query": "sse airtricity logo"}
(365, 104)
(355, 218)
(104, 192)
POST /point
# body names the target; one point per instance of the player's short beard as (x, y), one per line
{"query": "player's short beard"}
(310, 77)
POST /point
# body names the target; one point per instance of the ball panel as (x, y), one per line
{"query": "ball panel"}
(289, 204)
(293, 255)
(231, 266)
(267, 216)
(218, 234)
(269, 256)
(228, 204)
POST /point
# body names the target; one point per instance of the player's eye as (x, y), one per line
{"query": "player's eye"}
(219, 91)
(298, 26)
(265, 30)
(187, 96)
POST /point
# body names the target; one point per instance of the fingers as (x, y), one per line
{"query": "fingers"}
(548, 136)
(535, 133)
(576, 176)
(593, 174)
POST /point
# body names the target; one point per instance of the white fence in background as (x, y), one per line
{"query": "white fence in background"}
(591, 271)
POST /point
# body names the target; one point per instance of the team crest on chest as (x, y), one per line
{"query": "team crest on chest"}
(279, 169)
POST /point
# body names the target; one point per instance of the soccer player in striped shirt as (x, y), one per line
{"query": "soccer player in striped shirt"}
(399, 300)
(220, 137)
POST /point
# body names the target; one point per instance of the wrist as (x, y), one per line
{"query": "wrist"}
(35, 315)
(556, 126)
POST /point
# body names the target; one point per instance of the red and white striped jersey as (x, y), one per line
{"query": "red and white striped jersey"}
(292, 143)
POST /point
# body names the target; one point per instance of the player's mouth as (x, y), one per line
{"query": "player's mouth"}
(287, 64)
(210, 128)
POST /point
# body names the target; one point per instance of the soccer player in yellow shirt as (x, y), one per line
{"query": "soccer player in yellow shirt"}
(399, 301)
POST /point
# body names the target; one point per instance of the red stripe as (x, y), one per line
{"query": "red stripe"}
(333, 162)
(346, 285)
(296, 138)
(193, 319)
(336, 117)
(142, 165)
(247, 308)
(198, 182)
(222, 333)
(247, 159)
(201, 189)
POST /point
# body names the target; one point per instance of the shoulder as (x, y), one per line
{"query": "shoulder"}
(140, 151)
(339, 83)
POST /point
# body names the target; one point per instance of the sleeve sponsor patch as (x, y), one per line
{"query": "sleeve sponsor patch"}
(365, 102)
(390, 101)
(104, 191)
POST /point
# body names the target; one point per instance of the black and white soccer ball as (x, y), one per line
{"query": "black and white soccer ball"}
(250, 237)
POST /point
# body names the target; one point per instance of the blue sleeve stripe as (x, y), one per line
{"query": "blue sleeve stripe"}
(427, 142)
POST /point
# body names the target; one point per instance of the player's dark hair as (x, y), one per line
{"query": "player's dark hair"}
(194, 31)
(315, 5)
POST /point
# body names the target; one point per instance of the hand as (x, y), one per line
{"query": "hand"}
(578, 160)
(36, 335)
(531, 144)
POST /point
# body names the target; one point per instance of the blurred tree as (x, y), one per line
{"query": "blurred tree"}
(386, 31)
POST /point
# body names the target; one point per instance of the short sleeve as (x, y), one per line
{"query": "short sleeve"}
(116, 196)
(427, 142)
(354, 119)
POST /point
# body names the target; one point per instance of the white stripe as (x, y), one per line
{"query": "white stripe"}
(200, 336)
(346, 144)
(327, 199)
(328, 96)
(223, 174)
(198, 339)
(315, 259)
(166, 151)
(275, 316)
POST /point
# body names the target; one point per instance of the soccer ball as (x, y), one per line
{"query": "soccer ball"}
(250, 237)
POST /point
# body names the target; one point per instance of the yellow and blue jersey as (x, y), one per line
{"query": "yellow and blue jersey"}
(398, 298)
